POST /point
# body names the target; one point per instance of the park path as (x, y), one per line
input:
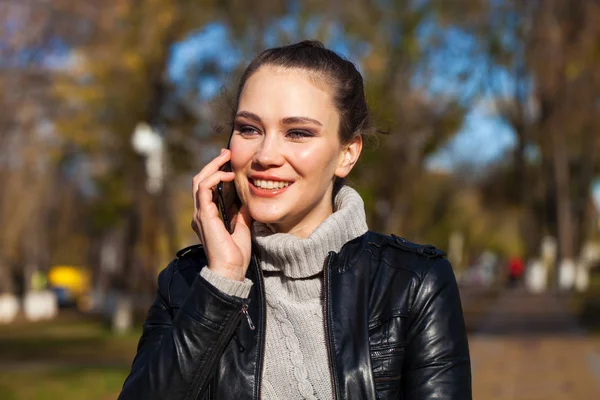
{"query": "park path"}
(530, 347)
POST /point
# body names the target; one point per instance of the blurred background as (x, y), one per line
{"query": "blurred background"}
(108, 109)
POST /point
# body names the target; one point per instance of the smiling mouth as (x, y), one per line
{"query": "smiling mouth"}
(270, 185)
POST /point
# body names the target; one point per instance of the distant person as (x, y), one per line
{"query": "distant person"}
(301, 300)
(516, 268)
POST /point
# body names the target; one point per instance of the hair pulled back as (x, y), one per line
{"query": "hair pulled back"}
(343, 79)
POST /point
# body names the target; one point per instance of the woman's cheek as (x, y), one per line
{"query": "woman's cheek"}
(318, 158)
(240, 158)
(309, 156)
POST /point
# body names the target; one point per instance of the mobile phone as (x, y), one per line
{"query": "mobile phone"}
(227, 196)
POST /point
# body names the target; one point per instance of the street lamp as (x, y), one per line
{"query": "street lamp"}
(149, 143)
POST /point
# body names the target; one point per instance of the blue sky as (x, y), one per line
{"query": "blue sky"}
(483, 138)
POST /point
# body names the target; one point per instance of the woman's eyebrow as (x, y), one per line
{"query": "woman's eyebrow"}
(249, 115)
(300, 120)
(284, 121)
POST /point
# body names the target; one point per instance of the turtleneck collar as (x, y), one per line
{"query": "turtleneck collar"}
(303, 258)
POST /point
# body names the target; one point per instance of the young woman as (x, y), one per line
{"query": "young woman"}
(301, 300)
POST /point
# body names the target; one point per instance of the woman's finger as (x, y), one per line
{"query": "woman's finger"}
(210, 168)
(214, 165)
(205, 187)
(214, 180)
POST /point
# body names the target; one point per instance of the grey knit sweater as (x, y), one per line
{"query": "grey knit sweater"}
(296, 364)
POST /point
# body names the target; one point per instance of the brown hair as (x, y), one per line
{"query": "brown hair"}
(341, 75)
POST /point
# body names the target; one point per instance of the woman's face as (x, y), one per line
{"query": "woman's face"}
(286, 150)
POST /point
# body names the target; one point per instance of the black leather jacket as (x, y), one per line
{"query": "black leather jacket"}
(393, 322)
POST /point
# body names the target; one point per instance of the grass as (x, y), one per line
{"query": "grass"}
(62, 383)
(72, 357)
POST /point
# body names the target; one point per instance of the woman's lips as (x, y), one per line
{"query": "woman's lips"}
(260, 192)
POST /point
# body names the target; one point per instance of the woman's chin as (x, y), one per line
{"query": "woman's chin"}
(263, 217)
(271, 222)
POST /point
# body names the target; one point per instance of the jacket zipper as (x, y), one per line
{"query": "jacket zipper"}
(218, 349)
(386, 352)
(263, 328)
(245, 312)
(328, 339)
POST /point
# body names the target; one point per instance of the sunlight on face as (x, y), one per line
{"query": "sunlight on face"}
(286, 149)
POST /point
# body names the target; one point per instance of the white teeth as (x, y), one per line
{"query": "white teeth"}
(269, 184)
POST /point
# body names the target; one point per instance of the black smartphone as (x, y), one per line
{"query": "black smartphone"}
(227, 196)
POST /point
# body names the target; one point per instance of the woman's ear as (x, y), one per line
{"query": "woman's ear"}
(349, 156)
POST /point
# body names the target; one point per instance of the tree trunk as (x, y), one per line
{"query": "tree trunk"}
(169, 220)
(563, 198)
(583, 184)
(564, 214)
(6, 279)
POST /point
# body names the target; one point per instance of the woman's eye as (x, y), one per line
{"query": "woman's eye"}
(247, 130)
(298, 134)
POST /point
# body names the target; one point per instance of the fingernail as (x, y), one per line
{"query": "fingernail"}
(222, 151)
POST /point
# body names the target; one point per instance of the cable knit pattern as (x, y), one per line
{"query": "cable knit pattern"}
(293, 346)
(295, 354)
(296, 360)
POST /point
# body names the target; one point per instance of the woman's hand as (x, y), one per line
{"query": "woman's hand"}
(228, 254)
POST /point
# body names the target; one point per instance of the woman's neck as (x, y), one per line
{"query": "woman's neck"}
(302, 227)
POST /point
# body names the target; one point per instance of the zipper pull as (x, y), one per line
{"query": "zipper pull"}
(245, 311)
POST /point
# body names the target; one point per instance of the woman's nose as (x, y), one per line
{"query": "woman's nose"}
(269, 153)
